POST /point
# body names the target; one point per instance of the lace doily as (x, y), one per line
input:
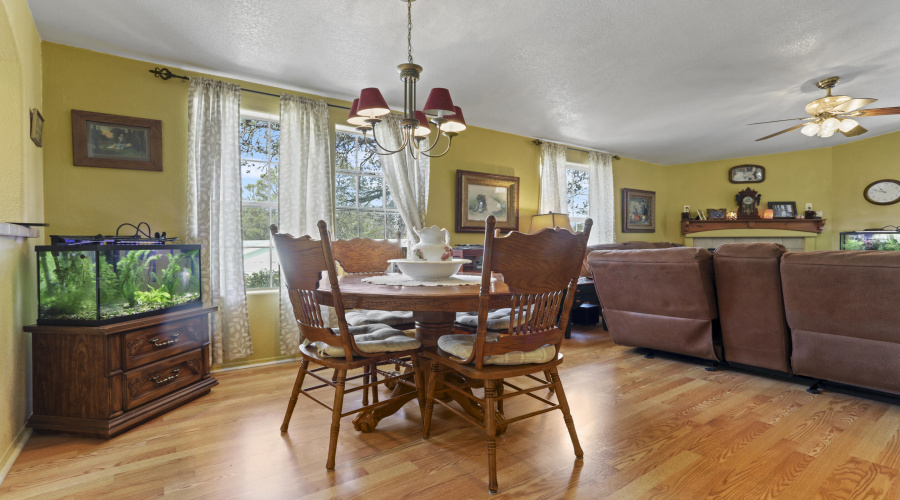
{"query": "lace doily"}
(404, 280)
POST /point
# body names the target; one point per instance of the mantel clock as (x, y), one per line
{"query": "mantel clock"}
(748, 202)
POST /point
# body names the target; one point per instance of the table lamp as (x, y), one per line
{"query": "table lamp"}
(551, 220)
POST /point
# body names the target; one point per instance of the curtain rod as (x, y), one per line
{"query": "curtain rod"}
(538, 142)
(166, 74)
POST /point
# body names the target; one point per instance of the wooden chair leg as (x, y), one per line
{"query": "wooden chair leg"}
(567, 416)
(490, 394)
(298, 385)
(374, 381)
(336, 417)
(548, 378)
(500, 393)
(420, 384)
(429, 400)
(365, 397)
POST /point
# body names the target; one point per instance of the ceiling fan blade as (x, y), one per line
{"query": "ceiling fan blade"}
(786, 120)
(855, 131)
(795, 127)
(851, 105)
(881, 111)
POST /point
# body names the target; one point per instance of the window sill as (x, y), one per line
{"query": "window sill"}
(262, 291)
(17, 231)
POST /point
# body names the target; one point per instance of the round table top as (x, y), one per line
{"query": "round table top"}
(357, 294)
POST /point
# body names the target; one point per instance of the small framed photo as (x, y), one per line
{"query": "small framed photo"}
(716, 213)
(784, 209)
(479, 195)
(638, 211)
(113, 141)
(746, 174)
(37, 127)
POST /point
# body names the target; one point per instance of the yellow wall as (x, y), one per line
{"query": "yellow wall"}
(831, 178)
(20, 200)
(85, 200)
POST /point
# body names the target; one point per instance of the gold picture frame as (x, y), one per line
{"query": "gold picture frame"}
(479, 195)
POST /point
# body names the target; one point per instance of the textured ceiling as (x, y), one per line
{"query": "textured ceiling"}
(666, 82)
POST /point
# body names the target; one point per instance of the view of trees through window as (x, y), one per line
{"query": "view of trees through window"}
(578, 193)
(259, 200)
(364, 205)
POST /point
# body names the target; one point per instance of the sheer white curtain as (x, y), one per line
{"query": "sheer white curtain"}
(553, 178)
(305, 186)
(602, 206)
(406, 177)
(214, 211)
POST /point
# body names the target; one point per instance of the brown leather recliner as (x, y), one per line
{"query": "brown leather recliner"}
(751, 309)
(844, 315)
(625, 245)
(661, 299)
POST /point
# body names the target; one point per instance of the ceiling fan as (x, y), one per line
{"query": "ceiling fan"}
(833, 113)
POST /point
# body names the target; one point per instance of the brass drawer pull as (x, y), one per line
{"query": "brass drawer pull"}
(159, 343)
(170, 378)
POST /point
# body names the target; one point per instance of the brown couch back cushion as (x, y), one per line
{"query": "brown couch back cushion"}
(625, 245)
(661, 298)
(843, 308)
(751, 309)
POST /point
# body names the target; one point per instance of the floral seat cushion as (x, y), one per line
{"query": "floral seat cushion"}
(360, 317)
(461, 346)
(372, 339)
(498, 319)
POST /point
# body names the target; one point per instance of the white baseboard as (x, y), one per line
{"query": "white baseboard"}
(12, 453)
(276, 361)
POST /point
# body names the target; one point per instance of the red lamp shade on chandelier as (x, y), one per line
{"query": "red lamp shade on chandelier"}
(353, 118)
(372, 104)
(439, 103)
(455, 123)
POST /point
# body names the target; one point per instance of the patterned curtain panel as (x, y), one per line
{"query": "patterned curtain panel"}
(553, 178)
(602, 207)
(305, 188)
(406, 177)
(214, 211)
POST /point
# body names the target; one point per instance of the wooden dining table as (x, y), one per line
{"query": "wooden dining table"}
(434, 312)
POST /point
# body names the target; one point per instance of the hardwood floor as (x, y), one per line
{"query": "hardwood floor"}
(651, 428)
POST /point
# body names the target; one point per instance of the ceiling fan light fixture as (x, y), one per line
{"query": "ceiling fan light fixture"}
(810, 129)
(826, 132)
(831, 124)
(848, 124)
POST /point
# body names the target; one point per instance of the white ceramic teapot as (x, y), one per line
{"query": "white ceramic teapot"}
(433, 245)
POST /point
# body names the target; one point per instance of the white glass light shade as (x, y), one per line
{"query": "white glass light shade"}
(848, 124)
(826, 132)
(831, 124)
(810, 129)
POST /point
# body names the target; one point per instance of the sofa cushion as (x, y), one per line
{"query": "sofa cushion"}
(461, 346)
(625, 245)
(751, 308)
(359, 317)
(372, 339)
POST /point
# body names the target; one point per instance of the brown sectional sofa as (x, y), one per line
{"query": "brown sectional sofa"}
(832, 316)
(625, 245)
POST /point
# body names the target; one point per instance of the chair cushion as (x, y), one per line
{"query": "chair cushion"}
(360, 317)
(372, 339)
(461, 346)
(498, 319)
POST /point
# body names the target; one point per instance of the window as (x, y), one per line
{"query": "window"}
(364, 206)
(578, 194)
(259, 200)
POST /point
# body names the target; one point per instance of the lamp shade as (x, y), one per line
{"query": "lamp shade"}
(372, 104)
(769, 214)
(455, 123)
(439, 103)
(551, 220)
(353, 118)
(848, 124)
(422, 130)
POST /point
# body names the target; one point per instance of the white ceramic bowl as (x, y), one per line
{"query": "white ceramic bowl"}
(429, 270)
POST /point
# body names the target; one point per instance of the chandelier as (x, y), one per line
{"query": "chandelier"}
(367, 111)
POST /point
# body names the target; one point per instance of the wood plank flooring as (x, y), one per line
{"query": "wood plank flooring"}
(651, 429)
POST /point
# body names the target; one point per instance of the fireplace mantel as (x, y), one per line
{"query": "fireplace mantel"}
(803, 225)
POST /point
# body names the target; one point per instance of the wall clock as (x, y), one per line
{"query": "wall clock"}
(883, 192)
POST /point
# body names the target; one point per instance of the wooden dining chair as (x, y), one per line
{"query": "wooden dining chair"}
(344, 348)
(542, 275)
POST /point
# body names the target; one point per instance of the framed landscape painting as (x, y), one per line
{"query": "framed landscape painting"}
(479, 195)
(113, 141)
(638, 211)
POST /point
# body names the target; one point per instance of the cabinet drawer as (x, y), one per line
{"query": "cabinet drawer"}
(158, 342)
(162, 377)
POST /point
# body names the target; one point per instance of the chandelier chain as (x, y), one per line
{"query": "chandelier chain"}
(409, 29)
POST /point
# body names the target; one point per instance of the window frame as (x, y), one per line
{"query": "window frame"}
(577, 221)
(272, 205)
(384, 210)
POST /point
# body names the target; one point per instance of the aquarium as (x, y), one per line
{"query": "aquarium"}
(98, 284)
(871, 239)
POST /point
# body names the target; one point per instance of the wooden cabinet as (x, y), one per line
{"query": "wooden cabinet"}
(476, 255)
(101, 381)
